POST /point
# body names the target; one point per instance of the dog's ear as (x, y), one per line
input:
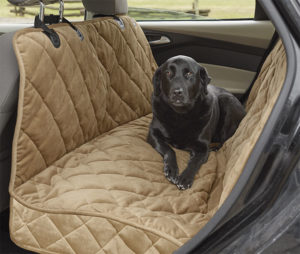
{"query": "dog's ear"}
(205, 79)
(156, 80)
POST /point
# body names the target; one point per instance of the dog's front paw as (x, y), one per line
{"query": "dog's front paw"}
(185, 181)
(171, 173)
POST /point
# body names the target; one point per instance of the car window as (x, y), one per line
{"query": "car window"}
(9, 13)
(191, 9)
(141, 10)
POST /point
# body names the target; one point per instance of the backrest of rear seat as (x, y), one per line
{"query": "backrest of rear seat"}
(260, 103)
(80, 90)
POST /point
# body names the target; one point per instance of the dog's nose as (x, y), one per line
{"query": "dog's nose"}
(178, 92)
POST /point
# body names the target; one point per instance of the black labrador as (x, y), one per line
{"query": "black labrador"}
(189, 114)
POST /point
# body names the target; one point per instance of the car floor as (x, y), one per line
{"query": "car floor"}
(6, 245)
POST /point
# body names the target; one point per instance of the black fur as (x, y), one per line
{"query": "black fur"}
(189, 114)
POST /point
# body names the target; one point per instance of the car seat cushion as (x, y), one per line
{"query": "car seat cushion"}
(118, 176)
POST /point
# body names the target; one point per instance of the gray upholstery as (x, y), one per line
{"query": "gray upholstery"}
(9, 84)
(9, 73)
(106, 7)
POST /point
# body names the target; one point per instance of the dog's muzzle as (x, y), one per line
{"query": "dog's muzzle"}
(177, 98)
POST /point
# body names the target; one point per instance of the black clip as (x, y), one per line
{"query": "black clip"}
(80, 35)
(51, 19)
(54, 19)
(119, 21)
(115, 17)
(52, 35)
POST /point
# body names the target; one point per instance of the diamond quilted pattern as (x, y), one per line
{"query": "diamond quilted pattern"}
(111, 175)
(84, 234)
(84, 179)
(86, 90)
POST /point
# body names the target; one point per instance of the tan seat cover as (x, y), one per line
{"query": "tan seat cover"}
(84, 180)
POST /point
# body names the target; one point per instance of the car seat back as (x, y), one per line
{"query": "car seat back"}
(80, 90)
(259, 105)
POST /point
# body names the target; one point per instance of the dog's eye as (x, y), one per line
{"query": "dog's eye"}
(189, 74)
(168, 73)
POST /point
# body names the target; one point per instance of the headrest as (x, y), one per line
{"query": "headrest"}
(106, 7)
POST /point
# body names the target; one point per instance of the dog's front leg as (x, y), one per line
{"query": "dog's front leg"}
(156, 139)
(198, 157)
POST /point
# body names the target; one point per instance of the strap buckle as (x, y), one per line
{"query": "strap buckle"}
(41, 20)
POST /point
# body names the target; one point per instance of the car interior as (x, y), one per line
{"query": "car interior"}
(76, 171)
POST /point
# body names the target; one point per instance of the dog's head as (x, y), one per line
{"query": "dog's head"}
(180, 82)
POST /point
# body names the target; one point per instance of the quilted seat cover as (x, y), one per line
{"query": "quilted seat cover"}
(84, 179)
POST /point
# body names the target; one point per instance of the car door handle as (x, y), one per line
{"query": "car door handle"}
(162, 40)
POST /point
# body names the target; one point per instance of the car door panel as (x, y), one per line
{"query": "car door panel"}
(245, 32)
(230, 50)
(233, 79)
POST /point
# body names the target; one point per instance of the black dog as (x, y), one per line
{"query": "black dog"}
(189, 114)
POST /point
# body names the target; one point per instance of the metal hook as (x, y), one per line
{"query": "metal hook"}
(61, 10)
(42, 11)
